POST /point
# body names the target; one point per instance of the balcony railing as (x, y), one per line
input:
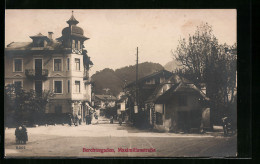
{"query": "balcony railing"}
(86, 76)
(37, 75)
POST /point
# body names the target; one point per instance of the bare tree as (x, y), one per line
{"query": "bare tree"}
(205, 61)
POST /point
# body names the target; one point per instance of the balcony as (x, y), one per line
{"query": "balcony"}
(37, 75)
(86, 76)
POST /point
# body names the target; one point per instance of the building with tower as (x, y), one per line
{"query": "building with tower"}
(60, 65)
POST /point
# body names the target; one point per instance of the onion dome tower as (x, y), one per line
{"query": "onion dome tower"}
(73, 36)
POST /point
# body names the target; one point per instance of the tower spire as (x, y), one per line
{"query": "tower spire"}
(72, 20)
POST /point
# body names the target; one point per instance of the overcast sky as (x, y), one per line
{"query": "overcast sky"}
(115, 34)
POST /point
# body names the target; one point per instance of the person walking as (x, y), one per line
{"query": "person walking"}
(24, 134)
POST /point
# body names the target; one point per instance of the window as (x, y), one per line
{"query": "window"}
(79, 45)
(57, 86)
(159, 108)
(68, 64)
(77, 63)
(58, 109)
(57, 64)
(18, 85)
(41, 43)
(68, 86)
(159, 118)
(77, 86)
(182, 100)
(76, 45)
(73, 43)
(18, 65)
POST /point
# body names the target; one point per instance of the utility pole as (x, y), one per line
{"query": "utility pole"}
(136, 93)
(136, 79)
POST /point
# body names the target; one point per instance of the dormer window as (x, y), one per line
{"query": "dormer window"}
(38, 43)
(39, 40)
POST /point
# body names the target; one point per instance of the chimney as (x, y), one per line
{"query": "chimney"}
(50, 35)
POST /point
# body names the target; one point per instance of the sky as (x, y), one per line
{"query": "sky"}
(115, 34)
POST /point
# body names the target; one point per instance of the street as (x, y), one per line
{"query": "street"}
(69, 141)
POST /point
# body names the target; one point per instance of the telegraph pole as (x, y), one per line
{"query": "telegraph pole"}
(136, 92)
(136, 79)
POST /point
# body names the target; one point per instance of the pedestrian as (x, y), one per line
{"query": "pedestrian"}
(87, 120)
(76, 120)
(18, 134)
(90, 118)
(70, 121)
(111, 120)
(24, 134)
(120, 119)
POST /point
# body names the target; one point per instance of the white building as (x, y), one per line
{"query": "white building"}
(59, 65)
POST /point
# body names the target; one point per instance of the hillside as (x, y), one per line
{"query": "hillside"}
(172, 65)
(114, 80)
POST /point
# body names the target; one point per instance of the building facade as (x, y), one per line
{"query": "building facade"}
(178, 105)
(168, 102)
(145, 87)
(60, 65)
(105, 101)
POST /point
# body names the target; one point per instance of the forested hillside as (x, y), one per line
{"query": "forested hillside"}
(115, 79)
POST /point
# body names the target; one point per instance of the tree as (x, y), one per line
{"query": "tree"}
(21, 105)
(205, 61)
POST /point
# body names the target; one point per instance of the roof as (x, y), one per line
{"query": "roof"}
(106, 97)
(72, 20)
(122, 99)
(17, 45)
(163, 72)
(180, 88)
(54, 45)
(39, 36)
(158, 92)
(177, 84)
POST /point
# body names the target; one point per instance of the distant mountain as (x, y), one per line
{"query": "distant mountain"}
(172, 65)
(115, 80)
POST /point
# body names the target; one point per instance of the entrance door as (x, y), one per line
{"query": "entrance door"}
(38, 87)
(183, 120)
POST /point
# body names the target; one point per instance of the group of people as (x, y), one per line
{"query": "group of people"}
(75, 120)
(21, 134)
(120, 119)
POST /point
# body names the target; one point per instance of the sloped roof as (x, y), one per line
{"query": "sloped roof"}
(72, 20)
(28, 46)
(122, 99)
(106, 97)
(39, 36)
(17, 45)
(150, 76)
(181, 88)
(157, 92)
(177, 84)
